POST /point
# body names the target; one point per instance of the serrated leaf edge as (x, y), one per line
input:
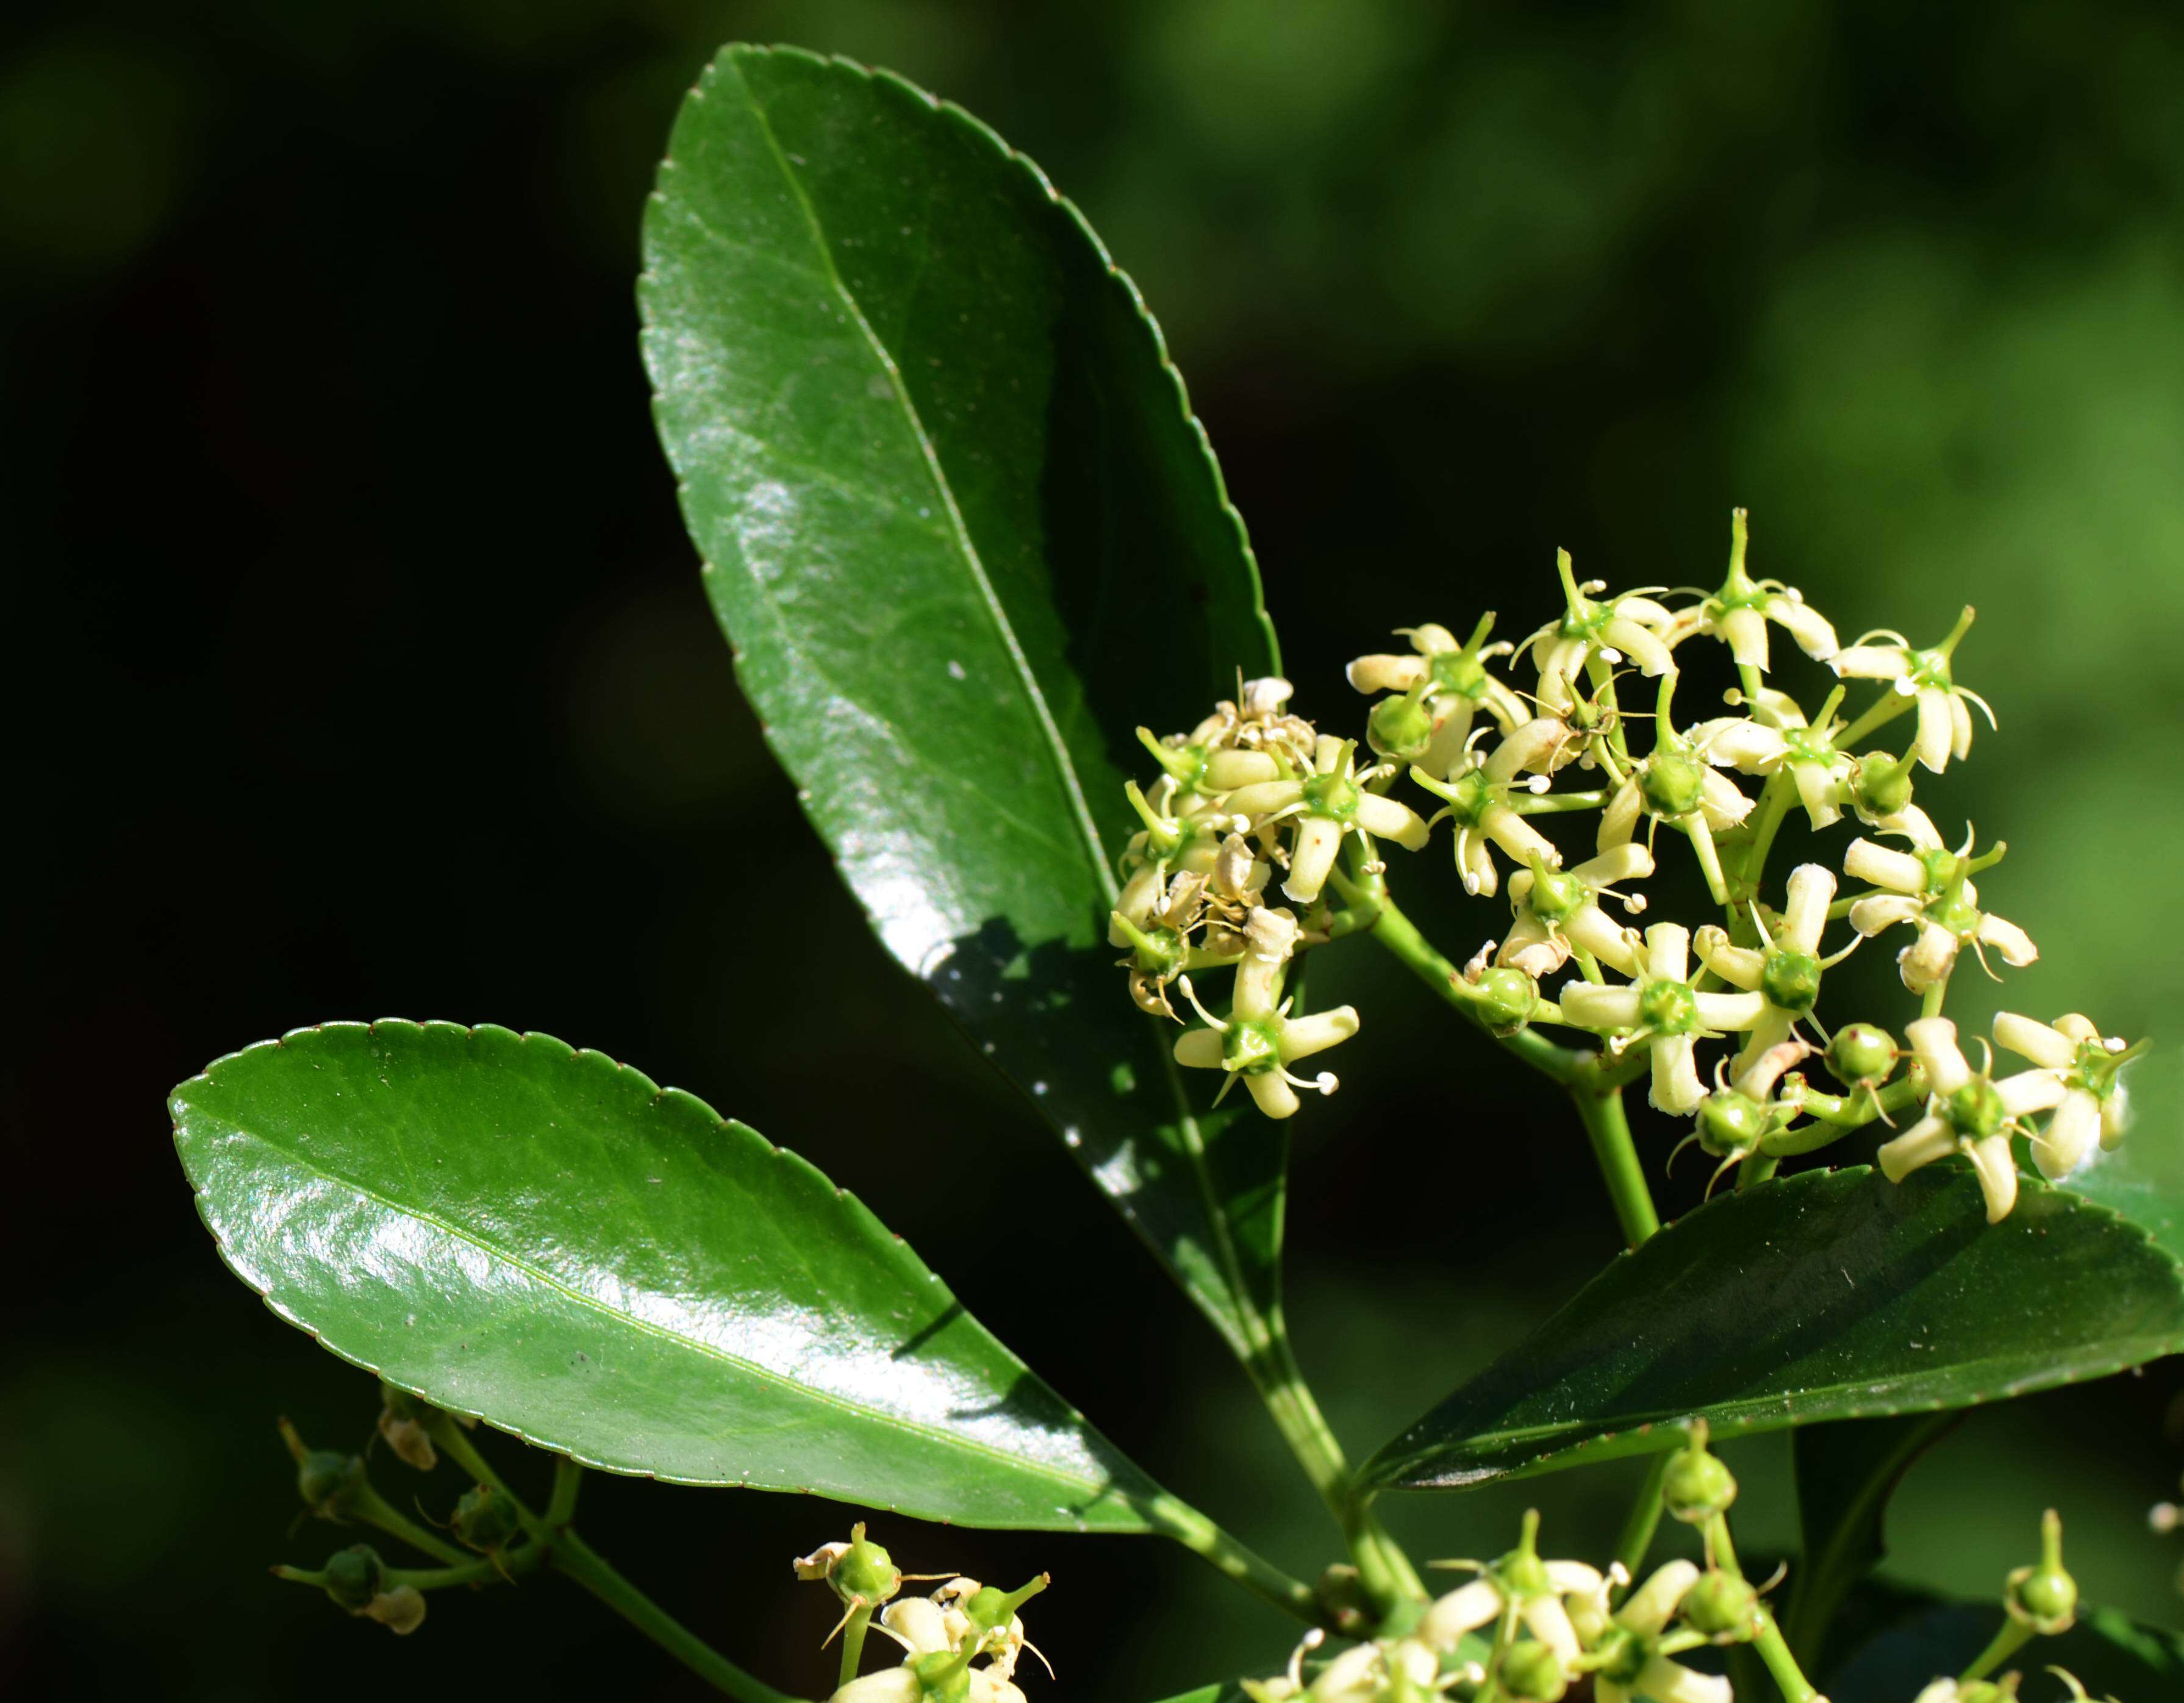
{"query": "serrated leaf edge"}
(895, 1249)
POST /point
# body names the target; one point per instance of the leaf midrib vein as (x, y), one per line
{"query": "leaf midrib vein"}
(947, 1439)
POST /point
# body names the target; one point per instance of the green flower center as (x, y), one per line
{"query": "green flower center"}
(1976, 1110)
(1251, 1046)
(1668, 1008)
(1791, 979)
(1333, 796)
(1669, 784)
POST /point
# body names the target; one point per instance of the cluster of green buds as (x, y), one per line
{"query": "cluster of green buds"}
(1532, 1629)
(961, 1645)
(1255, 806)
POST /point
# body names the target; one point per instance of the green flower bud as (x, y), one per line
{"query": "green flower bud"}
(1341, 1592)
(326, 1479)
(1880, 785)
(2044, 1597)
(483, 1520)
(1720, 1604)
(1730, 1124)
(991, 1610)
(1697, 1486)
(354, 1576)
(1532, 1671)
(1401, 728)
(1791, 978)
(865, 1571)
(1669, 782)
(1862, 1053)
(1506, 997)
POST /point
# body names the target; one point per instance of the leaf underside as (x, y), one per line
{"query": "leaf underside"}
(545, 1239)
(1828, 1295)
(963, 532)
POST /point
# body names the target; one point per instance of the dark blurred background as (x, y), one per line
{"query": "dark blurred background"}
(359, 667)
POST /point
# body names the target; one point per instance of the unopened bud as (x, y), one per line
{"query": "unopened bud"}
(354, 1576)
(1532, 1671)
(326, 1479)
(483, 1520)
(1862, 1053)
(1697, 1486)
(1721, 1603)
(1880, 785)
(1400, 728)
(1506, 998)
(1730, 1124)
(2045, 1597)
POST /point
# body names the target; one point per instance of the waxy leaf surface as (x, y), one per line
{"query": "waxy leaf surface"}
(546, 1240)
(1828, 1295)
(963, 533)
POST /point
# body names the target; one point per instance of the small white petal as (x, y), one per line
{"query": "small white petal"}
(1927, 1140)
(1997, 1175)
(2041, 1042)
(1879, 865)
(1934, 1042)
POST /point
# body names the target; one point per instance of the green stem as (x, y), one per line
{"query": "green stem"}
(1396, 932)
(508, 1565)
(1601, 1110)
(1180, 1521)
(574, 1558)
(1383, 1568)
(853, 1641)
(1892, 704)
(375, 1510)
(1774, 1651)
(571, 1556)
(1773, 805)
(561, 1503)
(1632, 1547)
(2013, 1637)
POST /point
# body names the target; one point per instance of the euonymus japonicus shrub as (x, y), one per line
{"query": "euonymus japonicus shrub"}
(1006, 632)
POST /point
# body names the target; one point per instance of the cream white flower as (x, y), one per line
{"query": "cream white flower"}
(1259, 1039)
(1479, 798)
(889, 1685)
(1968, 1112)
(1662, 1010)
(1786, 968)
(2094, 1106)
(1557, 911)
(1674, 785)
(1754, 747)
(1945, 724)
(1931, 890)
(1738, 614)
(1447, 683)
(1630, 625)
(1327, 804)
(1645, 1673)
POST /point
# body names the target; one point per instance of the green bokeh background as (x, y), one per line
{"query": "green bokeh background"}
(359, 667)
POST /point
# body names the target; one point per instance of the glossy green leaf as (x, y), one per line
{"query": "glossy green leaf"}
(2111, 1655)
(546, 1240)
(1845, 1472)
(1827, 1295)
(963, 533)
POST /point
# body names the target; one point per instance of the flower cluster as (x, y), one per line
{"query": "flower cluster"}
(961, 1645)
(1529, 1628)
(1256, 806)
